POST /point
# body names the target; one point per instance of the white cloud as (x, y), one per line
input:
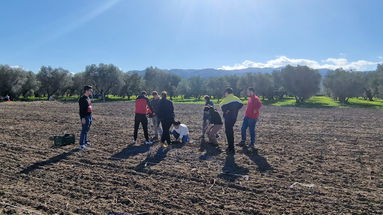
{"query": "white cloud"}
(329, 63)
(16, 67)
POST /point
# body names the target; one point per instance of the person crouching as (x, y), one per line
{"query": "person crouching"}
(215, 125)
(180, 132)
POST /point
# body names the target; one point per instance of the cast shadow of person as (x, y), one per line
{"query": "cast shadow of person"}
(211, 150)
(160, 155)
(50, 161)
(231, 171)
(130, 151)
(261, 162)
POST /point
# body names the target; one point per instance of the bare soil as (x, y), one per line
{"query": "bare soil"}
(334, 155)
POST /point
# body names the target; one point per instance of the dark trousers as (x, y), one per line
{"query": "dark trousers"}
(141, 119)
(229, 130)
(166, 124)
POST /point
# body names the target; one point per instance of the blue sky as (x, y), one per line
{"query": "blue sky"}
(226, 34)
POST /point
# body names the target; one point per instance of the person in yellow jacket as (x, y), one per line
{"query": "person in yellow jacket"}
(230, 106)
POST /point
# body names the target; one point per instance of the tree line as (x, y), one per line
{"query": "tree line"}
(300, 82)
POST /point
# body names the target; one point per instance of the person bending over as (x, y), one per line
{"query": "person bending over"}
(180, 132)
(215, 125)
(205, 118)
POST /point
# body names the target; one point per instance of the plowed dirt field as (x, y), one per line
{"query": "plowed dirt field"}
(308, 161)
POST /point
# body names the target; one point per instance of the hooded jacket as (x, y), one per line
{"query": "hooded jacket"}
(142, 105)
(230, 106)
(165, 110)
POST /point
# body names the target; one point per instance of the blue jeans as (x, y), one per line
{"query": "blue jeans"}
(249, 123)
(185, 139)
(85, 130)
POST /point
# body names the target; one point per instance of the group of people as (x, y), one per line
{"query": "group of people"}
(161, 112)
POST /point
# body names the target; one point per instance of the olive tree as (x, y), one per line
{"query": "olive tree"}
(343, 85)
(301, 82)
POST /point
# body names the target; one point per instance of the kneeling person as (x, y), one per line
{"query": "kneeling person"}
(215, 125)
(180, 132)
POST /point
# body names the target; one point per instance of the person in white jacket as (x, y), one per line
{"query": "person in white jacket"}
(180, 132)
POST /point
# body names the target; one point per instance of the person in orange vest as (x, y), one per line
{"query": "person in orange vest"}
(142, 109)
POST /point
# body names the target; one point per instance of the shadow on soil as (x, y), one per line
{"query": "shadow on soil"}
(130, 151)
(261, 162)
(211, 150)
(231, 171)
(50, 161)
(160, 155)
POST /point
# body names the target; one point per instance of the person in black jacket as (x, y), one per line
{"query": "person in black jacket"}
(85, 106)
(205, 118)
(157, 130)
(215, 124)
(166, 115)
(230, 106)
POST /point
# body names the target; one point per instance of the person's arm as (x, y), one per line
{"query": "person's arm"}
(152, 105)
(178, 131)
(83, 107)
(150, 109)
(225, 109)
(83, 110)
(209, 127)
(257, 106)
(172, 109)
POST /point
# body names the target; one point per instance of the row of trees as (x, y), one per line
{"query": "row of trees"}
(301, 82)
(343, 85)
(105, 78)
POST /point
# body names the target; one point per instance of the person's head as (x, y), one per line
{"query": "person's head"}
(250, 91)
(88, 90)
(164, 94)
(155, 94)
(228, 91)
(176, 124)
(143, 93)
(207, 98)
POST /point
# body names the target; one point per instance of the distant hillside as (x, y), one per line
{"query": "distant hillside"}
(207, 73)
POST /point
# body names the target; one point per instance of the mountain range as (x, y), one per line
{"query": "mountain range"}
(207, 73)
